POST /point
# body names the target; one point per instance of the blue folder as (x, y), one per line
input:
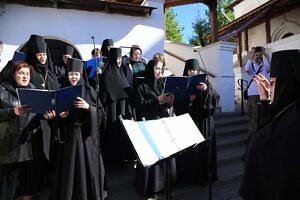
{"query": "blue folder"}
(182, 86)
(91, 66)
(42, 101)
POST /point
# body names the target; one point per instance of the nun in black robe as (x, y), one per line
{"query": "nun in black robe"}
(43, 76)
(79, 171)
(271, 168)
(114, 93)
(105, 49)
(30, 48)
(151, 103)
(192, 165)
(60, 70)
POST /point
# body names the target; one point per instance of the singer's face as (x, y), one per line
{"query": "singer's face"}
(42, 57)
(136, 56)
(192, 72)
(65, 58)
(158, 70)
(73, 77)
(22, 76)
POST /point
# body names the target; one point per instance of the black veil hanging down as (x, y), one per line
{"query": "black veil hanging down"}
(271, 167)
(113, 94)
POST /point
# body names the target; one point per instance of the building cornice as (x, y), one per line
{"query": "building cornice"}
(133, 9)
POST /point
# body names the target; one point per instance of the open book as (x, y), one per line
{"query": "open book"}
(183, 86)
(155, 140)
(41, 101)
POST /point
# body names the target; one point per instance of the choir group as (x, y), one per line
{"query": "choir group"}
(67, 153)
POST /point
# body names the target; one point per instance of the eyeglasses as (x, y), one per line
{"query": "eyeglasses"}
(158, 69)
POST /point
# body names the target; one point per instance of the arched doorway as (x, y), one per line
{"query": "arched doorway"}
(56, 47)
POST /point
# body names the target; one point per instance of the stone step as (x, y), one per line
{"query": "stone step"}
(232, 130)
(229, 171)
(220, 191)
(218, 115)
(229, 141)
(227, 190)
(223, 122)
(230, 155)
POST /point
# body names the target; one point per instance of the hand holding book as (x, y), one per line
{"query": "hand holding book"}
(201, 86)
(166, 98)
(21, 110)
(49, 114)
(81, 103)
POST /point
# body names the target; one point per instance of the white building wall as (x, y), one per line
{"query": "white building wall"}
(76, 27)
(217, 58)
(286, 23)
(257, 36)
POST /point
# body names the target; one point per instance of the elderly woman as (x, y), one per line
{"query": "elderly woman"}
(23, 140)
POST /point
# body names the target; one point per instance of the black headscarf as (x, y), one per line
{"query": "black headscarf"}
(105, 44)
(191, 64)
(41, 72)
(29, 46)
(113, 79)
(156, 84)
(73, 65)
(39, 47)
(68, 50)
(285, 67)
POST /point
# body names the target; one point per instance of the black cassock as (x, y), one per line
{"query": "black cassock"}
(114, 94)
(151, 180)
(271, 165)
(80, 170)
(192, 164)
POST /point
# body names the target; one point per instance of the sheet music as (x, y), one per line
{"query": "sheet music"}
(158, 139)
(184, 130)
(146, 154)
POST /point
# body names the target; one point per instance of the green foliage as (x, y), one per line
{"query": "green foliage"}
(201, 30)
(173, 29)
(226, 16)
(202, 27)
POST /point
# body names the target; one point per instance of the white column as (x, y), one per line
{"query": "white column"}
(218, 60)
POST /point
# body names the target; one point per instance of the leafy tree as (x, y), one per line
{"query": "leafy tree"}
(202, 27)
(201, 30)
(173, 29)
(224, 14)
